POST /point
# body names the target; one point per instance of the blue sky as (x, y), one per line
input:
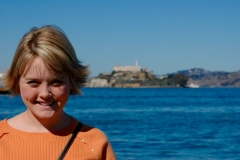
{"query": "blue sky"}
(163, 35)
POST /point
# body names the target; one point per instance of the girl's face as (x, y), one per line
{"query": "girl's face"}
(43, 92)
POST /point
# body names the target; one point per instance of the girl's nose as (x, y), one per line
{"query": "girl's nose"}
(45, 91)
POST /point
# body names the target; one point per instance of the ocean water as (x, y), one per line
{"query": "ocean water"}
(158, 123)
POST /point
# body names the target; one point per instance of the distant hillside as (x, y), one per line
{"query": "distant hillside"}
(205, 78)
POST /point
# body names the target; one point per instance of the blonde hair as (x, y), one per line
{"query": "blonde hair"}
(53, 47)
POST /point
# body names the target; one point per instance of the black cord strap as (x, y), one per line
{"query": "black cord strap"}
(75, 132)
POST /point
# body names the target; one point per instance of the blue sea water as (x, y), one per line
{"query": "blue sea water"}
(158, 123)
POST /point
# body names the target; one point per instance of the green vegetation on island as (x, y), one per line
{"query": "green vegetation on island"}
(125, 79)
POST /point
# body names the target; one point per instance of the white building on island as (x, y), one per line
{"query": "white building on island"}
(135, 68)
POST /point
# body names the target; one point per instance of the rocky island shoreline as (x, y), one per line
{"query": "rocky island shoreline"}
(136, 77)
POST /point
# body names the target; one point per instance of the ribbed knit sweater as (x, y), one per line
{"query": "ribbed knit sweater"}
(90, 144)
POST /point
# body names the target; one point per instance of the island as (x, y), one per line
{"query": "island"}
(135, 77)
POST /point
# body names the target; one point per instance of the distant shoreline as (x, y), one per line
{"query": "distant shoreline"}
(2, 91)
(157, 87)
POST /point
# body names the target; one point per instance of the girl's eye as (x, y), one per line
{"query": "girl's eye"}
(33, 83)
(57, 83)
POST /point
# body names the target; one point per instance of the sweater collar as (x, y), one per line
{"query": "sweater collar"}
(5, 128)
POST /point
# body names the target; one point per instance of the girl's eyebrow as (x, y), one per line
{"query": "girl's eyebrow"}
(60, 76)
(30, 78)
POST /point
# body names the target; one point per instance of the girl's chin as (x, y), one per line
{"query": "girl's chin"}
(44, 114)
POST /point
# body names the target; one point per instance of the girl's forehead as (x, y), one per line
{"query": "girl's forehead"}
(37, 73)
(39, 68)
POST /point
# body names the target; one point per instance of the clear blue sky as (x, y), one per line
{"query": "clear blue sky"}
(164, 35)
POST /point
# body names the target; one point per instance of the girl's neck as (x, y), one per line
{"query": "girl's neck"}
(29, 123)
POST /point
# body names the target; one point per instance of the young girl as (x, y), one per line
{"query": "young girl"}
(45, 72)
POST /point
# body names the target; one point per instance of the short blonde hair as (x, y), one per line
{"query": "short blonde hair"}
(53, 47)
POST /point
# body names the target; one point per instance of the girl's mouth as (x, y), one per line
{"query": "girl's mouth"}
(46, 105)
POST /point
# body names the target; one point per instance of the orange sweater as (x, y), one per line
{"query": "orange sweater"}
(90, 143)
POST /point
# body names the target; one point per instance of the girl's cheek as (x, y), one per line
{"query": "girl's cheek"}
(28, 92)
(62, 91)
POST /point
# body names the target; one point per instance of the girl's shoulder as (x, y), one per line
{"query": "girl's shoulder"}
(97, 141)
(92, 134)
